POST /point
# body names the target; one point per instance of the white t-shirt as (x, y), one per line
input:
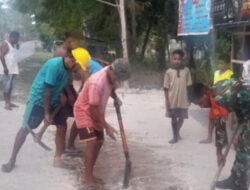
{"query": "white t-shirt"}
(10, 60)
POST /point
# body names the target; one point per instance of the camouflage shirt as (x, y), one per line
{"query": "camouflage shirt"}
(235, 97)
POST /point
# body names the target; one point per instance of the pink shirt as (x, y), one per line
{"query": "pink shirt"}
(96, 91)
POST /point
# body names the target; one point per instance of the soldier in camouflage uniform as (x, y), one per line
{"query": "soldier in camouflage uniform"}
(234, 96)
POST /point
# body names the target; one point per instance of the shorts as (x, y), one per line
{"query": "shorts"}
(7, 82)
(177, 112)
(33, 116)
(62, 116)
(89, 134)
(66, 111)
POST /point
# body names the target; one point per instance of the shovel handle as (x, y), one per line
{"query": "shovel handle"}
(123, 136)
(217, 175)
(45, 126)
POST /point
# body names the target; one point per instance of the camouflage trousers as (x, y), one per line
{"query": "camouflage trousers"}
(220, 133)
(241, 167)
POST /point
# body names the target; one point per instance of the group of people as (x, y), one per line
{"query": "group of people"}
(226, 95)
(53, 86)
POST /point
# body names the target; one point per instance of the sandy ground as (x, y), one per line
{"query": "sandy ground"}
(156, 164)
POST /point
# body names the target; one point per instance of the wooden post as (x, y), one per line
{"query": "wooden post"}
(232, 53)
(121, 10)
(123, 29)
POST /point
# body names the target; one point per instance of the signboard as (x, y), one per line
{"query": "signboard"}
(194, 17)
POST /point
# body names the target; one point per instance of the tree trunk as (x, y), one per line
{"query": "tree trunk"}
(190, 51)
(123, 29)
(133, 40)
(168, 50)
(145, 41)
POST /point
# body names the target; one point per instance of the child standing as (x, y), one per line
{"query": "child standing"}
(176, 80)
(222, 74)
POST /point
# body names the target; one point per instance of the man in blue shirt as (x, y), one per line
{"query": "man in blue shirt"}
(43, 98)
(94, 67)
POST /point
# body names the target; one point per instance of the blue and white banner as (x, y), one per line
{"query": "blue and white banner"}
(194, 17)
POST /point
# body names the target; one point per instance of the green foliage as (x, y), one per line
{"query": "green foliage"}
(75, 18)
(46, 36)
(202, 73)
(223, 47)
(99, 21)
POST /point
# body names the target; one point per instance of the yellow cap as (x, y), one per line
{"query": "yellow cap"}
(82, 57)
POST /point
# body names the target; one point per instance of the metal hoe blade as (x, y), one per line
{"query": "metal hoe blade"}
(38, 141)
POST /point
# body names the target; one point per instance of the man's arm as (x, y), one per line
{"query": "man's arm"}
(116, 98)
(167, 102)
(4, 48)
(47, 99)
(166, 86)
(99, 119)
(71, 96)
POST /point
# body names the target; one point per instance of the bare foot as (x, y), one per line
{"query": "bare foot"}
(173, 141)
(179, 137)
(206, 141)
(7, 168)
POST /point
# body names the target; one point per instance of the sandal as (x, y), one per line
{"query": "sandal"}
(93, 187)
(65, 166)
(58, 163)
(14, 105)
(97, 180)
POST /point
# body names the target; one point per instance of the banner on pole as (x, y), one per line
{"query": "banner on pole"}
(194, 17)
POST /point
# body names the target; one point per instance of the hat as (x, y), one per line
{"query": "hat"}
(82, 57)
(121, 69)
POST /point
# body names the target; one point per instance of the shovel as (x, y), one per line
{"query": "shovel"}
(43, 145)
(125, 148)
(217, 175)
(37, 137)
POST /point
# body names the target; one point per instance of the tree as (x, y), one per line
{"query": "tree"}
(148, 22)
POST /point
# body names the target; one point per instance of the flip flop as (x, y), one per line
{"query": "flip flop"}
(14, 105)
(58, 163)
(65, 166)
(7, 168)
(97, 180)
(93, 187)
